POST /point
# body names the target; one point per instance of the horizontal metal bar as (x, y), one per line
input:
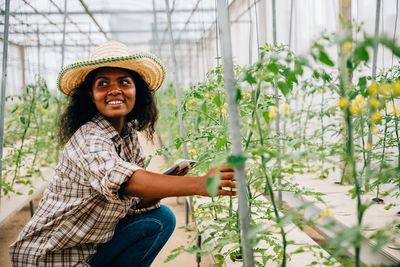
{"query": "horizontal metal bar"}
(94, 32)
(108, 12)
(86, 45)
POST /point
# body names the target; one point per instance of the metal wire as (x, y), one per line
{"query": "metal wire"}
(395, 25)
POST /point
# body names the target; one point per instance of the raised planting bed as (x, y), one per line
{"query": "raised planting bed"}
(342, 215)
(12, 203)
(308, 251)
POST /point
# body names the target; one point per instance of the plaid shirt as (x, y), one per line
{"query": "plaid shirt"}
(81, 205)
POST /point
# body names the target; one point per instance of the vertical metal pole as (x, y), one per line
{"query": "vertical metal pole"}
(3, 85)
(290, 24)
(216, 35)
(158, 48)
(257, 29)
(22, 53)
(374, 61)
(234, 129)
(63, 36)
(38, 49)
(62, 65)
(375, 51)
(250, 34)
(278, 117)
(395, 25)
(176, 80)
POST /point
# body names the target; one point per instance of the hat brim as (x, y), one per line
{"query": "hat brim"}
(148, 66)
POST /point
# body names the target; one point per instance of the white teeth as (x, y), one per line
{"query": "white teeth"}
(115, 102)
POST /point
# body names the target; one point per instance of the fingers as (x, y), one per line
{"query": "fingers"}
(227, 183)
(225, 168)
(223, 192)
(176, 171)
(183, 172)
(227, 175)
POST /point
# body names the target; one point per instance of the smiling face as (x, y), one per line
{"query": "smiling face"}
(114, 94)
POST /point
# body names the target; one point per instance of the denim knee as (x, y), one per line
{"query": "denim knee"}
(167, 218)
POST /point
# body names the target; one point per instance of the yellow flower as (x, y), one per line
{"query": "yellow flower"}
(385, 89)
(275, 108)
(359, 100)
(225, 105)
(194, 151)
(347, 46)
(396, 88)
(353, 110)
(217, 110)
(369, 145)
(223, 95)
(373, 89)
(374, 130)
(210, 100)
(286, 107)
(223, 111)
(343, 102)
(248, 95)
(328, 211)
(376, 117)
(255, 167)
(207, 95)
(374, 102)
(192, 100)
(196, 212)
(271, 115)
(395, 111)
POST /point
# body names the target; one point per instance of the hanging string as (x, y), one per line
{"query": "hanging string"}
(383, 30)
(257, 30)
(395, 25)
(250, 33)
(290, 24)
(216, 34)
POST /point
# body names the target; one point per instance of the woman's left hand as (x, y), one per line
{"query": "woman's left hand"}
(180, 172)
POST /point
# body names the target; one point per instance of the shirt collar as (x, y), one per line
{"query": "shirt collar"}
(109, 130)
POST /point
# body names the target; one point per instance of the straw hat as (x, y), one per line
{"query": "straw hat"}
(112, 54)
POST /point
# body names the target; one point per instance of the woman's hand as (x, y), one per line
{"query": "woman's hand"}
(227, 176)
(180, 172)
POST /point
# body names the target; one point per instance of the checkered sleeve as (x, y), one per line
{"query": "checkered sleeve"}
(104, 168)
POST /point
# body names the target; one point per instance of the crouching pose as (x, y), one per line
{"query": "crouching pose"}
(102, 208)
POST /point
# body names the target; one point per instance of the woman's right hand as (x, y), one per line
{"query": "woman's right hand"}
(227, 176)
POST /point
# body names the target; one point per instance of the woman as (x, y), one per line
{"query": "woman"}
(102, 208)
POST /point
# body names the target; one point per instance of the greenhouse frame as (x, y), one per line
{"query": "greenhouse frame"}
(298, 97)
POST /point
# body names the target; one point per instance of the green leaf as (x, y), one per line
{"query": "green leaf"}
(212, 185)
(324, 58)
(30, 192)
(148, 162)
(221, 142)
(217, 101)
(250, 79)
(219, 258)
(282, 86)
(23, 120)
(236, 161)
(361, 54)
(273, 68)
(204, 107)
(203, 157)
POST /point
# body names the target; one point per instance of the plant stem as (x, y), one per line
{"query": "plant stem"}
(268, 186)
(383, 151)
(396, 126)
(27, 124)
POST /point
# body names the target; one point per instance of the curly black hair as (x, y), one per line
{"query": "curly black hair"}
(80, 108)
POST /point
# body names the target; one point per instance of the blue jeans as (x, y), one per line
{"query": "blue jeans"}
(137, 239)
